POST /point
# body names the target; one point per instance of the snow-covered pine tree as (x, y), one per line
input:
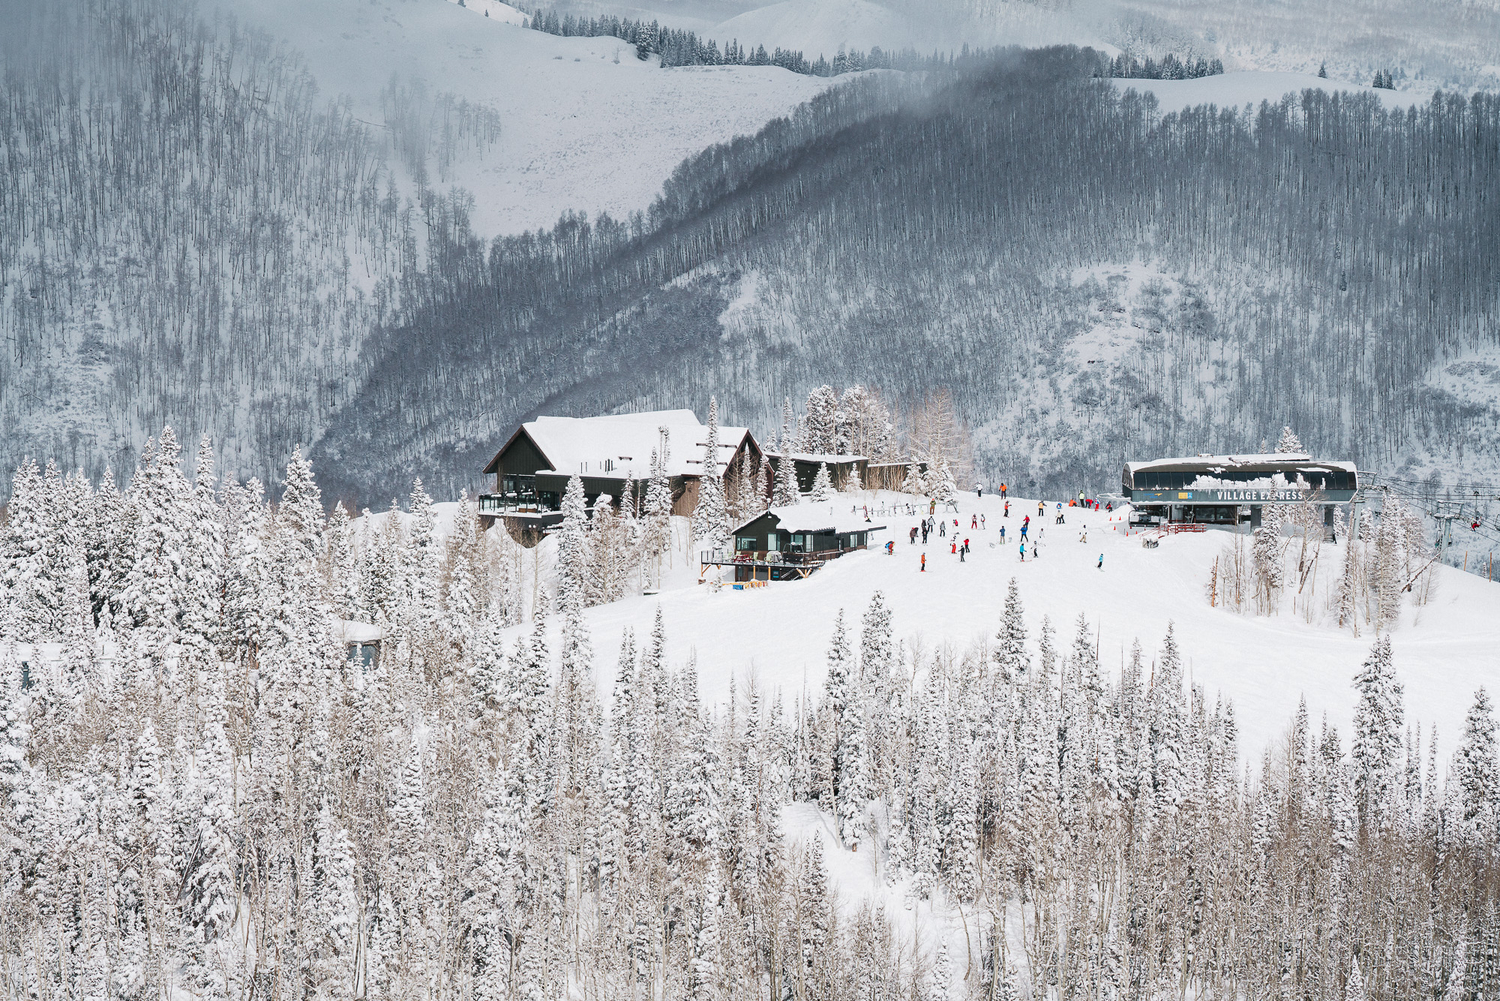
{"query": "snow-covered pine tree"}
(1288, 442)
(656, 534)
(821, 434)
(1168, 727)
(788, 442)
(913, 482)
(460, 580)
(1375, 753)
(822, 488)
(1476, 769)
(31, 596)
(838, 730)
(1266, 558)
(203, 556)
(573, 549)
(335, 908)
(945, 487)
(787, 491)
(422, 572)
(852, 484)
(1354, 987)
(1011, 659)
(711, 516)
(345, 583)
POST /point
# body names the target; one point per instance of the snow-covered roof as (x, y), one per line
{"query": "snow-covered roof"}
(621, 444)
(349, 631)
(835, 518)
(829, 457)
(1218, 463)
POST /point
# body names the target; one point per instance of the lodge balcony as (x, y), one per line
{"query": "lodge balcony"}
(519, 510)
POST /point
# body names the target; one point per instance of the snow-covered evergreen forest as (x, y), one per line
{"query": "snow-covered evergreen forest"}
(203, 794)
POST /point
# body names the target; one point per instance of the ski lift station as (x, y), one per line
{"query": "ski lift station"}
(1233, 489)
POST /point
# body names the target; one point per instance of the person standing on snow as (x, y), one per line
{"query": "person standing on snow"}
(973, 522)
(981, 522)
(1041, 507)
(1007, 510)
(924, 562)
(1101, 561)
(1002, 491)
(1023, 552)
(1002, 533)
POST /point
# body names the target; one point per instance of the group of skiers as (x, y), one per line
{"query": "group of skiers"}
(960, 548)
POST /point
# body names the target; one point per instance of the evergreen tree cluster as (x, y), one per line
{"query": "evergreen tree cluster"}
(680, 47)
(1169, 67)
(200, 792)
(190, 233)
(855, 422)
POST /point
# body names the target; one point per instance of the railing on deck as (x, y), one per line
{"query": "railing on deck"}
(503, 504)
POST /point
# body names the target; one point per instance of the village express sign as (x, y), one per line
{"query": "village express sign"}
(1238, 496)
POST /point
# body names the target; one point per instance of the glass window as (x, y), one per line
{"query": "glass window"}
(744, 544)
(773, 543)
(798, 542)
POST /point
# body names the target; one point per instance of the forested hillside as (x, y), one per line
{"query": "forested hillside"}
(189, 231)
(1311, 263)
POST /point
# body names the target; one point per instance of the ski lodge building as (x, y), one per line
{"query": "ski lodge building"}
(532, 468)
(1233, 489)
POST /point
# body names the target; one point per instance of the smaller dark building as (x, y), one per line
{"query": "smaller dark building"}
(788, 543)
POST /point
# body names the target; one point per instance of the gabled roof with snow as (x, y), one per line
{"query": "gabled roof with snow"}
(834, 518)
(620, 445)
(831, 458)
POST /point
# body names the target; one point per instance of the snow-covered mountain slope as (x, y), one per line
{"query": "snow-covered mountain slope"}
(777, 634)
(824, 26)
(585, 126)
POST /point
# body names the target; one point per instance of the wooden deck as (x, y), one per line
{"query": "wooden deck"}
(789, 566)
